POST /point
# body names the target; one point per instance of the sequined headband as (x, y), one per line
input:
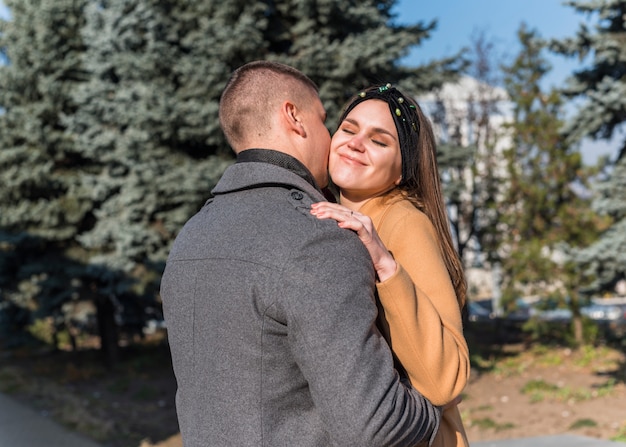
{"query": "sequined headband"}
(397, 110)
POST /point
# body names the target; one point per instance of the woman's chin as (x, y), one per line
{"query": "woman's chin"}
(341, 183)
(342, 178)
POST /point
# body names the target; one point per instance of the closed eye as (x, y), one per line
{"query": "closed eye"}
(379, 143)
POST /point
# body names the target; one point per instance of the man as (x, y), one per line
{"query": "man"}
(270, 311)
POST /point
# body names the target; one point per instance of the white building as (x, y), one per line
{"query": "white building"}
(464, 114)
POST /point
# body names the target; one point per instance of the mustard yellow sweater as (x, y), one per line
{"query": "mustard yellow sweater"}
(420, 315)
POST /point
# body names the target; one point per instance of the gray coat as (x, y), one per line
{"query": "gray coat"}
(271, 324)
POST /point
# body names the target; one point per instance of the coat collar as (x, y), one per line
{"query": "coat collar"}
(251, 174)
(279, 159)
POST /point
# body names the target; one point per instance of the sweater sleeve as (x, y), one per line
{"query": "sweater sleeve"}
(421, 310)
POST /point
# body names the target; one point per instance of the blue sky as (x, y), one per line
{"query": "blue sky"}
(498, 20)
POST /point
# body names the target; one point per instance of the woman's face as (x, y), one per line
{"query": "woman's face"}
(365, 159)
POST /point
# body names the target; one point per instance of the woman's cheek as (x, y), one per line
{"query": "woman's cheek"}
(333, 162)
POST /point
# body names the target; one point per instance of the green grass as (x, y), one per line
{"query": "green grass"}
(540, 390)
(621, 435)
(583, 423)
(489, 424)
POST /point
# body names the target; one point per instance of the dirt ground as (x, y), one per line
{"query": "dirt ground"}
(558, 391)
(515, 391)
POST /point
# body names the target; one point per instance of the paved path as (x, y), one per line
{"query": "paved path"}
(550, 441)
(21, 426)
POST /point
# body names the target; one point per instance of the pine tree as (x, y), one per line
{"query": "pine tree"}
(147, 119)
(605, 259)
(601, 88)
(548, 214)
(41, 45)
(130, 146)
(346, 45)
(146, 169)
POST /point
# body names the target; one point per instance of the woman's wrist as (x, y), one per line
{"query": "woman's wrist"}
(386, 267)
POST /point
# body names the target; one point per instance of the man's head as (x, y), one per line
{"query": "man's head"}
(268, 105)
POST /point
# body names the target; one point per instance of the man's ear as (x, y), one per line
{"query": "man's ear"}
(292, 117)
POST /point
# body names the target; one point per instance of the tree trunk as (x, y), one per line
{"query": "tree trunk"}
(577, 323)
(107, 329)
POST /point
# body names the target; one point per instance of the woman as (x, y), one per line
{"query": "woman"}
(383, 160)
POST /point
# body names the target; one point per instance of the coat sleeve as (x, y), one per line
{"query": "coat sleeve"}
(421, 310)
(329, 289)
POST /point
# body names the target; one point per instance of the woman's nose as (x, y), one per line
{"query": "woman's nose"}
(356, 143)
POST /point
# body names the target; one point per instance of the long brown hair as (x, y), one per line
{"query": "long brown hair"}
(426, 194)
(421, 183)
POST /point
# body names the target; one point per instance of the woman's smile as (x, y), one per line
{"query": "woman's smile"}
(351, 160)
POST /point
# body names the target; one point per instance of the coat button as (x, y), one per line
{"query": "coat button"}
(297, 195)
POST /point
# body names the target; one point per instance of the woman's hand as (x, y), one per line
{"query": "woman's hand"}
(383, 261)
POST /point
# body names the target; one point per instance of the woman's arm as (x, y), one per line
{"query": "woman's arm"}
(422, 311)
(424, 321)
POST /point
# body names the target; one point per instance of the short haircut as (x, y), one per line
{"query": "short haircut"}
(253, 92)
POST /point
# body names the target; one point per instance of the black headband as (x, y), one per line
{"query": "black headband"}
(404, 114)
